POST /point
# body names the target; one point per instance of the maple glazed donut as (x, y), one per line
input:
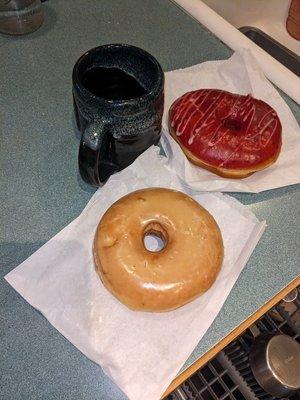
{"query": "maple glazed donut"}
(229, 134)
(161, 280)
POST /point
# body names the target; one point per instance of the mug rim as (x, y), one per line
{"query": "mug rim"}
(149, 95)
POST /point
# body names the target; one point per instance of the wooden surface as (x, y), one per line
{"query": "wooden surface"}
(229, 338)
(293, 20)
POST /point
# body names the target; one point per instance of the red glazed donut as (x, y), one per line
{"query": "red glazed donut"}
(229, 134)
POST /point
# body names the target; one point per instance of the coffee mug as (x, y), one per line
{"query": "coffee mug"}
(118, 93)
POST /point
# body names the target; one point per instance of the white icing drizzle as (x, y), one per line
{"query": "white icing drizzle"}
(203, 118)
(189, 118)
(264, 117)
(246, 109)
(232, 109)
(258, 135)
(251, 110)
(231, 154)
(181, 108)
(271, 133)
(212, 143)
(191, 139)
(244, 104)
(183, 123)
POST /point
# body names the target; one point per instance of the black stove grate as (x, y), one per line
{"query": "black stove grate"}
(229, 376)
(212, 382)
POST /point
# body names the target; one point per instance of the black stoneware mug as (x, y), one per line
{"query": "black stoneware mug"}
(118, 93)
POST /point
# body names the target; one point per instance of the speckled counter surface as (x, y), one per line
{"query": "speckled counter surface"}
(41, 191)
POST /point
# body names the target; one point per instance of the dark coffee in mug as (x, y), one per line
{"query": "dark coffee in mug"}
(118, 104)
(112, 84)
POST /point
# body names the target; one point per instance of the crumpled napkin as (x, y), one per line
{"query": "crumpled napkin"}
(239, 74)
(135, 349)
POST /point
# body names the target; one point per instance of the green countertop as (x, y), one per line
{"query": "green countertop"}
(41, 191)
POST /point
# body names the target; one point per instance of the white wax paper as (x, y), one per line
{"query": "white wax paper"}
(239, 74)
(141, 352)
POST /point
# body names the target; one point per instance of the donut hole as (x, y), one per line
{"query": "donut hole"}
(232, 124)
(155, 237)
(153, 243)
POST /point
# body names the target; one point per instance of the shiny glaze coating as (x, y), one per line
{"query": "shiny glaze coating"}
(157, 281)
(225, 130)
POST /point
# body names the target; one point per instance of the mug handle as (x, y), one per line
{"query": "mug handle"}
(95, 167)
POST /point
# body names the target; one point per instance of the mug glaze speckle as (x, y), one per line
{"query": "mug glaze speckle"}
(116, 132)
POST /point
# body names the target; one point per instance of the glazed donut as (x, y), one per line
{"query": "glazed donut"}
(229, 134)
(157, 280)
